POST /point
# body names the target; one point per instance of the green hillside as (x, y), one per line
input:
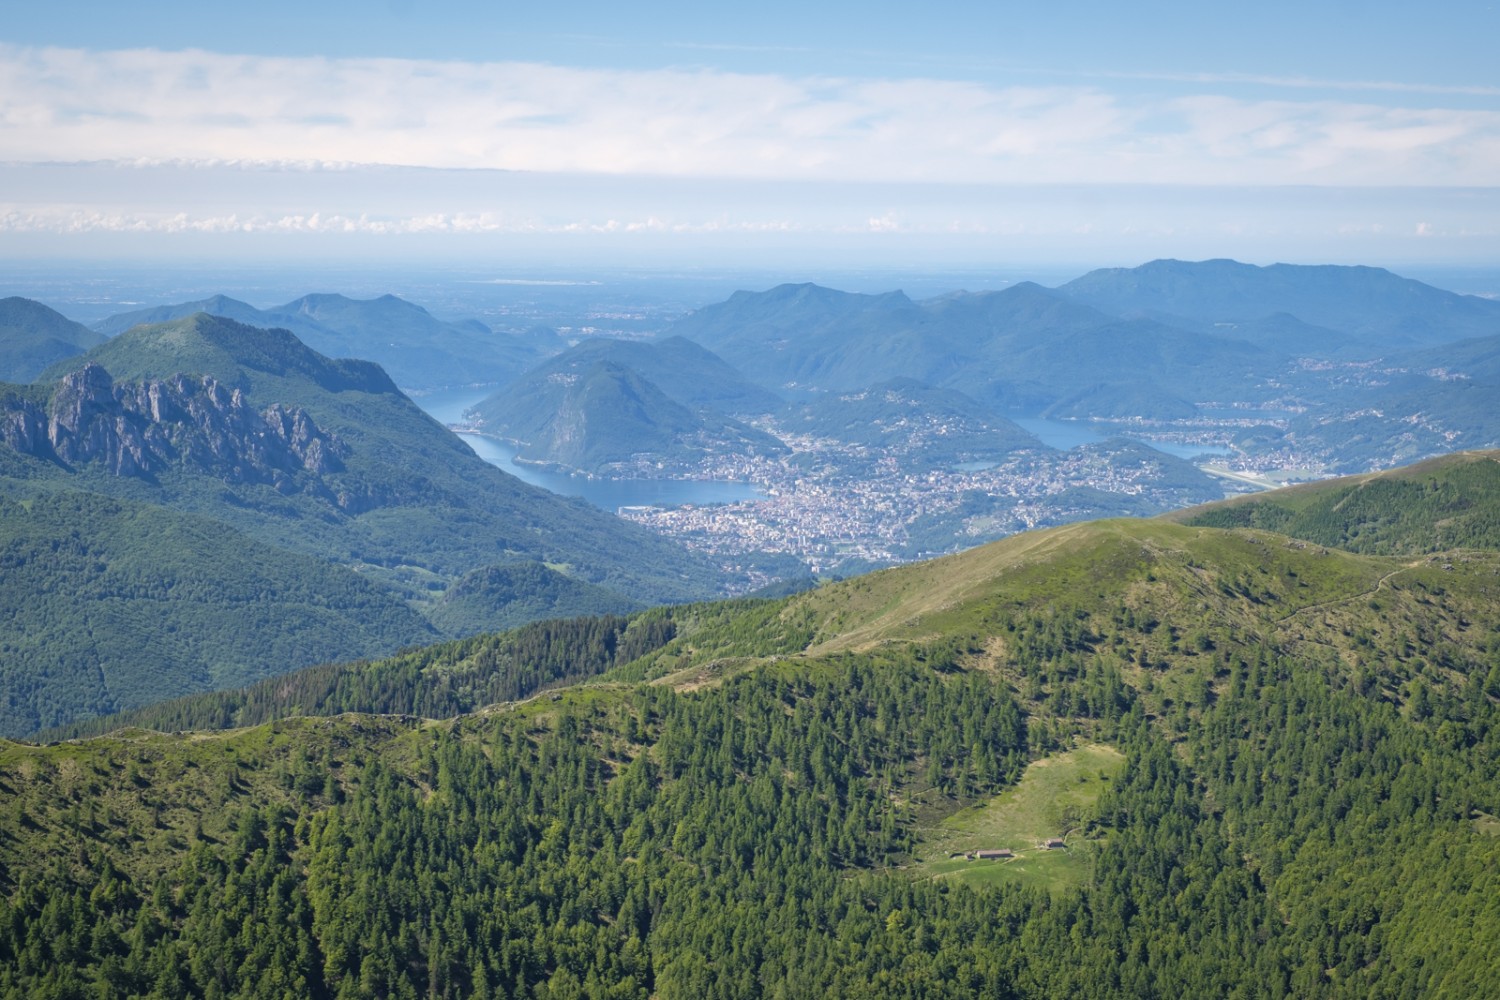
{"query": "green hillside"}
(606, 418)
(111, 604)
(1444, 503)
(1270, 761)
(441, 681)
(34, 336)
(411, 503)
(507, 595)
(216, 471)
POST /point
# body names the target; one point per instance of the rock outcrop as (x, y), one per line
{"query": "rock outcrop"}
(141, 429)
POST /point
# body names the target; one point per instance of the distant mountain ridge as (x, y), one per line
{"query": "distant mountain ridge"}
(34, 336)
(1333, 367)
(684, 370)
(1021, 349)
(1375, 309)
(418, 350)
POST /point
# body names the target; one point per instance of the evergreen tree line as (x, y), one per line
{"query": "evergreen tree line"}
(1291, 835)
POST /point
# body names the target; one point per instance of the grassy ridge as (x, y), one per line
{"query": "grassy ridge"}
(1428, 507)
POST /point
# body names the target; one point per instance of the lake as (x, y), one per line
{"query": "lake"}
(1067, 434)
(448, 406)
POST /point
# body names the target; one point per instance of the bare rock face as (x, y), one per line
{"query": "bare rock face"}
(143, 428)
(23, 429)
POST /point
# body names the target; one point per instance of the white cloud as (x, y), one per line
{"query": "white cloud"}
(1306, 83)
(149, 106)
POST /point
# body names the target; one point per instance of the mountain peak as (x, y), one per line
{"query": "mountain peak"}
(232, 352)
(1374, 307)
(33, 336)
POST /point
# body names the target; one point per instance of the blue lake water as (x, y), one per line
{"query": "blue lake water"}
(1072, 433)
(610, 494)
(447, 406)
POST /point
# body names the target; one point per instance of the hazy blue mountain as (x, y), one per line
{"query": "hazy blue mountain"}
(542, 339)
(1056, 365)
(606, 417)
(1476, 359)
(1370, 308)
(215, 305)
(919, 425)
(800, 336)
(1143, 398)
(1021, 349)
(687, 372)
(1012, 315)
(418, 350)
(1375, 427)
(34, 336)
(1397, 409)
(1286, 334)
(404, 338)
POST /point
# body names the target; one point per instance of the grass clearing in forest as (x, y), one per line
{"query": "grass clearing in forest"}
(1055, 798)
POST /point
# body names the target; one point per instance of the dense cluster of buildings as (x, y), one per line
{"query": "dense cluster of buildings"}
(829, 505)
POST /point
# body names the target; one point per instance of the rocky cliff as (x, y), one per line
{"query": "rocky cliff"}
(143, 428)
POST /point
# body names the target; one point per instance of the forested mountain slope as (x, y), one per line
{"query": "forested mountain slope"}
(190, 481)
(741, 801)
(1443, 503)
(687, 372)
(605, 417)
(399, 494)
(1024, 348)
(111, 604)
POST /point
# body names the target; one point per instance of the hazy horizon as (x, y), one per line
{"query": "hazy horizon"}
(519, 294)
(676, 135)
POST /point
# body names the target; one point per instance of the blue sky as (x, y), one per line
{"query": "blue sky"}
(677, 132)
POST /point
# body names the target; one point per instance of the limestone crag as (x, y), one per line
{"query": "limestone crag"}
(141, 429)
